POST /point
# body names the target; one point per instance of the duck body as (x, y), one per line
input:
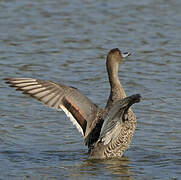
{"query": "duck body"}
(107, 132)
(117, 130)
(118, 146)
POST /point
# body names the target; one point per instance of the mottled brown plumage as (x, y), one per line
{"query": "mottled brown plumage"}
(108, 132)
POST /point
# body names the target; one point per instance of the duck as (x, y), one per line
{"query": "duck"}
(106, 132)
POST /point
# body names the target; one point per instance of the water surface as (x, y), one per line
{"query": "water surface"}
(67, 41)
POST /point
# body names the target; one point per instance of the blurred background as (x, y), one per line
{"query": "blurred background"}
(67, 42)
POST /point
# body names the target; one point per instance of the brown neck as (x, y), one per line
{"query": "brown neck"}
(112, 69)
(117, 91)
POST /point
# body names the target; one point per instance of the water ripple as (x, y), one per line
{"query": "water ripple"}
(67, 42)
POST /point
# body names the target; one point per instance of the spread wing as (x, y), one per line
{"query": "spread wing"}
(111, 124)
(117, 115)
(81, 111)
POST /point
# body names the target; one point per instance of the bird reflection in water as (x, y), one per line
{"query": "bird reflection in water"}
(117, 168)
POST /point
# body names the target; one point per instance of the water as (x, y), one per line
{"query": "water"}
(67, 41)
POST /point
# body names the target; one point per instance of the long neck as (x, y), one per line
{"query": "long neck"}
(117, 91)
(112, 69)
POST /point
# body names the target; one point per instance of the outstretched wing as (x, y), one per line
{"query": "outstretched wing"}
(81, 111)
(112, 120)
(117, 115)
(111, 124)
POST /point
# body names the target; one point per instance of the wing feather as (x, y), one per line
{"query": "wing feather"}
(81, 111)
(111, 124)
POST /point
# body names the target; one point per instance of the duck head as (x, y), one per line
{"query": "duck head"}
(116, 56)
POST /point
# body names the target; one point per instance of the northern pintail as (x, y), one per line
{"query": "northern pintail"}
(107, 132)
